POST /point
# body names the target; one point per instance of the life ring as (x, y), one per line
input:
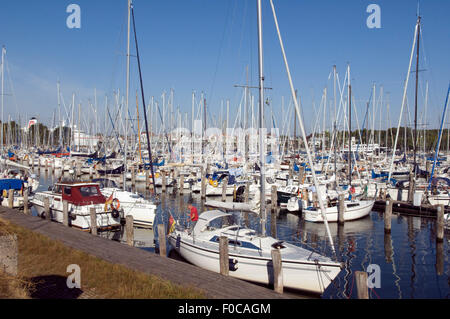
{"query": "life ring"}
(115, 204)
(26, 157)
(213, 183)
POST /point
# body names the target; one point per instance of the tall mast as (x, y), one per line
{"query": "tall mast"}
(3, 93)
(417, 85)
(139, 129)
(334, 128)
(59, 114)
(127, 93)
(349, 129)
(261, 122)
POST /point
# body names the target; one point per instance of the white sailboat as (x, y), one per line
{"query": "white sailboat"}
(250, 254)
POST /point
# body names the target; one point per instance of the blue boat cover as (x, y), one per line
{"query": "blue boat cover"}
(11, 183)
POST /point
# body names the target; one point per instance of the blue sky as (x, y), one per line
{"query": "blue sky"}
(205, 46)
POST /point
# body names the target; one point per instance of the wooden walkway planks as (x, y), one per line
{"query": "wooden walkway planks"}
(178, 272)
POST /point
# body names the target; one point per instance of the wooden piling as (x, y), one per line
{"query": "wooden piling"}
(247, 191)
(388, 216)
(26, 209)
(65, 213)
(411, 186)
(162, 240)
(224, 189)
(291, 170)
(388, 247)
(147, 179)
(361, 285)
(203, 184)
(47, 208)
(93, 215)
(439, 258)
(273, 197)
(163, 181)
(78, 170)
(133, 176)
(11, 198)
(341, 209)
(223, 256)
(301, 174)
(277, 271)
(181, 184)
(440, 223)
(129, 230)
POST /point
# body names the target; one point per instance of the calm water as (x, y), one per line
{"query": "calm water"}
(412, 264)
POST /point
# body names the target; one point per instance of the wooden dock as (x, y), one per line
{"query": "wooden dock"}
(215, 286)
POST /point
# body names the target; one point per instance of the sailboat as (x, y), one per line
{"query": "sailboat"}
(249, 252)
(354, 208)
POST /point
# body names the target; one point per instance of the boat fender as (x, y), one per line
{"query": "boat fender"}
(177, 245)
(233, 264)
(115, 213)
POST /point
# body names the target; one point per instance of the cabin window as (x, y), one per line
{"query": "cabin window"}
(230, 241)
(67, 191)
(88, 191)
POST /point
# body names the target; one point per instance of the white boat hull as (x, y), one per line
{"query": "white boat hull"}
(351, 212)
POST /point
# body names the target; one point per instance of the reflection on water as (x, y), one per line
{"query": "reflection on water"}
(412, 264)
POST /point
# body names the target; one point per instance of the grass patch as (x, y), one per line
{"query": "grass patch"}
(41, 257)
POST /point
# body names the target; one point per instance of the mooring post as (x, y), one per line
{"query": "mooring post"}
(163, 181)
(361, 285)
(388, 247)
(147, 179)
(47, 208)
(65, 213)
(78, 170)
(181, 183)
(411, 186)
(388, 216)
(277, 271)
(162, 240)
(439, 258)
(203, 185)
(247, 191)
(224, 189)
(133, 177)
(341, 209)
(223, 255)
(301, 175)
(273, 197)
(26, 209)
(291, 170)
(440, 223)
(11, 198)
(129, 229)
(93, 216)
